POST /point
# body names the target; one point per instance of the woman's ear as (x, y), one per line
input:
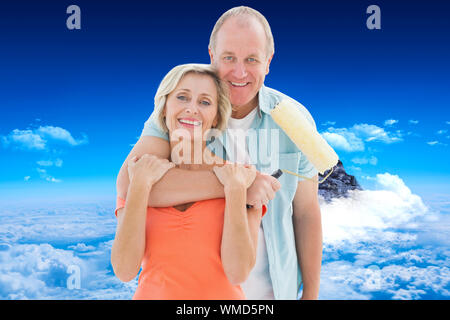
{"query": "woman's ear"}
(216, 121)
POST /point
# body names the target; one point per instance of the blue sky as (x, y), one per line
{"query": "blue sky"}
(79, 98)
(73, 102)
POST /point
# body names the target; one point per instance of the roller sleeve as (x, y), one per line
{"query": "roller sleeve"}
(293, 122)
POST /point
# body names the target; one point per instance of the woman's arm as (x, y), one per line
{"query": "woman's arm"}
(240, 228)
(240, 235)
(129, 243)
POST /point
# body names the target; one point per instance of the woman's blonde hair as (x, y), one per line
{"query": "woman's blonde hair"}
(170, 82)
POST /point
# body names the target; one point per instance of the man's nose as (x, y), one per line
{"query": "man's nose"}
(239, 70)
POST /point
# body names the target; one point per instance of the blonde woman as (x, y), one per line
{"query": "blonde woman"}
(200, 250)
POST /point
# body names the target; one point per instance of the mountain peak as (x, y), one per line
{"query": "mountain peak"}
(338, 183)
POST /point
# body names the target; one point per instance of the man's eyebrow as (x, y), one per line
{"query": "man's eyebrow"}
(228, 53)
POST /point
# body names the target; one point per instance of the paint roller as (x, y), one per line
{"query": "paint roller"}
(294, 123)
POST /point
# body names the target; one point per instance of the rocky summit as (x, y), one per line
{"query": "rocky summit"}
(337, 184)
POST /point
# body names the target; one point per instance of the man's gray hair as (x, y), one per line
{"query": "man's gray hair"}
(239, 12)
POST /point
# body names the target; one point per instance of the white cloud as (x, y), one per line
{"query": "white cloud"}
(58, 163)
(40, 138)
(352, 280)
(373, 245)
(38, 244)
(343, 139)
(353, 168)
(413, 121)
(374, 133)
(352, 139)
(24, 140)
(44, 175)
(45, 163)
(372, 160)
(31, 271)
(364, 212)
(60, 134)
(436, 143)
(48, 163)
(26, 178)
(390, 122)
(442, 131)
(82, 247)
(329, 123)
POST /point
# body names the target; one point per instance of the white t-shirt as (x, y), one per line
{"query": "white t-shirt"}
(258, 285)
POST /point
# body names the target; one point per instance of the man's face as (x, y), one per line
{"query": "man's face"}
(241, 59)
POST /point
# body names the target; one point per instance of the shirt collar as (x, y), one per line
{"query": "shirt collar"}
(263, 101)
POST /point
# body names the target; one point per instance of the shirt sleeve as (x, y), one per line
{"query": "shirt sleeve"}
(306, 168)
(151, 128)
(120, 203)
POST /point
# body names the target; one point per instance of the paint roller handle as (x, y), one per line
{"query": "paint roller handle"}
(276, 175)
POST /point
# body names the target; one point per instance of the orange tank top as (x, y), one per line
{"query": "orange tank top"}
(182, 254)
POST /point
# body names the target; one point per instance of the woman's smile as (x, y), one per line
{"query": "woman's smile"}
(189, 123)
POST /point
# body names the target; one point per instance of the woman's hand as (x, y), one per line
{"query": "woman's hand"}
(148, 169)
(235, 175)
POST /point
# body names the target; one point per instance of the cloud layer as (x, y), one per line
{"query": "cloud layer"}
(378, 244)
(375, 245)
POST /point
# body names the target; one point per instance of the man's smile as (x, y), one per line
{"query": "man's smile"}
(239, 84)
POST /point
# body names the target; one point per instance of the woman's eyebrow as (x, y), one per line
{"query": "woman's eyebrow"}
(182, 89)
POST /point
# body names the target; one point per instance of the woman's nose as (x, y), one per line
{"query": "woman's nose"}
(192, 108)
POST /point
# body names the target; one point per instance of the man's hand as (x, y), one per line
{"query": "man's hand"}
(235, 175)
(148, 168)
(262, 190)
(146, 144)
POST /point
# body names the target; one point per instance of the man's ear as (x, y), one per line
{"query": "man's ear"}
(268, 64)
(211, 57)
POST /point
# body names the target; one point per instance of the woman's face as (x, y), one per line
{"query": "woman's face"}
(192, 105)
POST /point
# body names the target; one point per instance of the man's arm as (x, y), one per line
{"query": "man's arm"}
(177, 186)
(180, 186)
(308, 236)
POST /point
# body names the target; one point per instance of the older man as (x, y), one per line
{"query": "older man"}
(290, 244)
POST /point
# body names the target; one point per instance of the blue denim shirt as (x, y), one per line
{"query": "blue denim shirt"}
(270, 148)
